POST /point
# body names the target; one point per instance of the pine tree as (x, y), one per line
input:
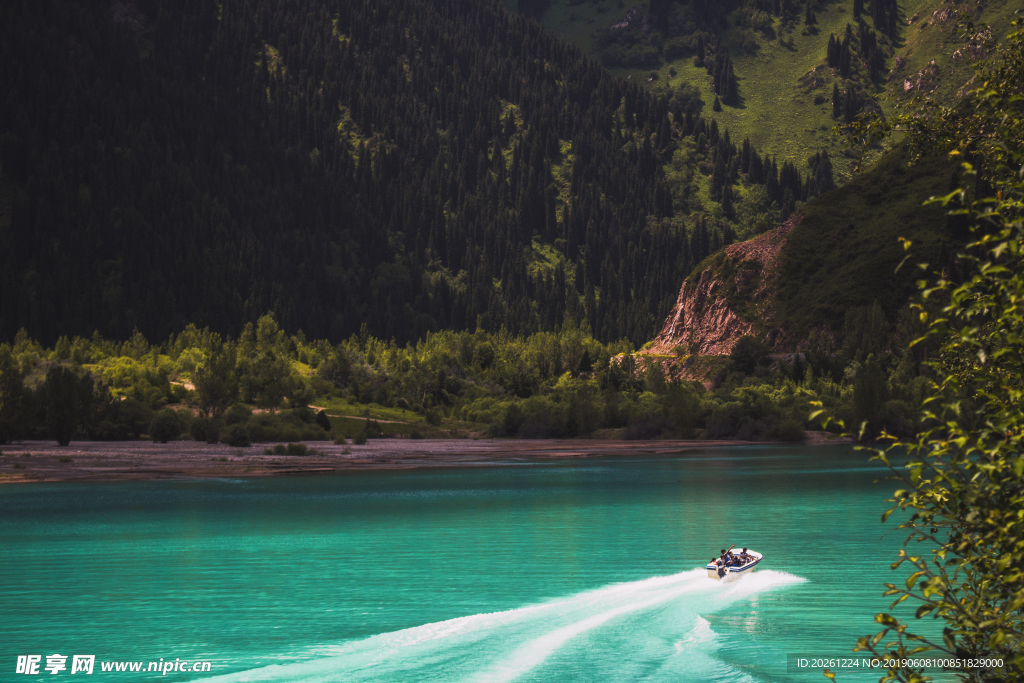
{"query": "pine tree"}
(878, 15)
(727, 207)
(788, 203)
(851, 106)
(756, 172)
(832, 54)
(837, 102)
(845, 60)
(719, 176)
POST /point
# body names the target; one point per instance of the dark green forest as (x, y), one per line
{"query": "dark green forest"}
(411, 165)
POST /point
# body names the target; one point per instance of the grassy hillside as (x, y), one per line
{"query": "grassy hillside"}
(845, 251)
(785, 83)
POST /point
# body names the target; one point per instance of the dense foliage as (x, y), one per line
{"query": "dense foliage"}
(407, 164)
(963, 486)
(261, 385)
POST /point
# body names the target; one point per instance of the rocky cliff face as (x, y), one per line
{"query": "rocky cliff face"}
(728, 298)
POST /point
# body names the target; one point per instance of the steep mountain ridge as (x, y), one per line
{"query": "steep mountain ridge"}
(841, 251)
(726, 298)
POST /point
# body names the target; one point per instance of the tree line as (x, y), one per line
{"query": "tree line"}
(259, 386)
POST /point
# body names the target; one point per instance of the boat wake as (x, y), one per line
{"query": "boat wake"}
(648, 630)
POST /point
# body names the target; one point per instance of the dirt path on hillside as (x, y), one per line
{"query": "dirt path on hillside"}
(362, 417)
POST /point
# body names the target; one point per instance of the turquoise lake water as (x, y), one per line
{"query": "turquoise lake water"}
(587, 570)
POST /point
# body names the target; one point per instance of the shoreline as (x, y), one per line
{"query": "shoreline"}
(148, 461)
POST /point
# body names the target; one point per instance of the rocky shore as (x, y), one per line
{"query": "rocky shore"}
(35, 461)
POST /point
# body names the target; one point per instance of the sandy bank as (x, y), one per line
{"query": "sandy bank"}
(127, 460)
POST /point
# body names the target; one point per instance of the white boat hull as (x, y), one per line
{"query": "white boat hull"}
(734, 572)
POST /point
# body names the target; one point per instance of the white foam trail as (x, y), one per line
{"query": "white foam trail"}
(537, 650)
(701, 635)
(500, 647)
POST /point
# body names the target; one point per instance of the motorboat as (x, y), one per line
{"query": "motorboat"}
(718, 572)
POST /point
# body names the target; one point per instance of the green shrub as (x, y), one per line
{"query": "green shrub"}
(372, 429)
(725, 420)
(645, 426)
(359, 439)
(304, 414)
(289, 449)
(416, 434)
(237, 414)
(134, 415)
(542, 418)
(789, 429)
(205, 429)
(340, 441)
(286, 425)
(747, 354)
(165, 426)
(313, 432)
(236, 435)
(511, 421)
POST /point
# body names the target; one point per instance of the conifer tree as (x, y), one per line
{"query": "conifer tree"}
(845, 57)
(788, 204)
(851, 105)
(727, 207)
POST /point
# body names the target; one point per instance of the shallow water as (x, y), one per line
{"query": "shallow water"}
(539, 571)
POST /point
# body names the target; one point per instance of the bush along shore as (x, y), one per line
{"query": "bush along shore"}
(268, 386)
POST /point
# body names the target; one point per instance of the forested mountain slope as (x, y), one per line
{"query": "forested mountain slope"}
(839, 255)
(404, 164)
(784, 71)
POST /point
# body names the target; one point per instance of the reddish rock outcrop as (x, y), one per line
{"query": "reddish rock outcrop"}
(726, 300)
